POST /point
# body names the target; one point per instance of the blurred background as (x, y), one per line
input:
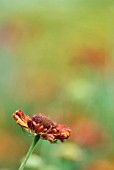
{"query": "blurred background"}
(57, 58)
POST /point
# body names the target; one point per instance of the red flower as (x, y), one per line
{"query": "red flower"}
(42, 125)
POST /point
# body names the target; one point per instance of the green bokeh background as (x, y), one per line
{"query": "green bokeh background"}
(57, 58)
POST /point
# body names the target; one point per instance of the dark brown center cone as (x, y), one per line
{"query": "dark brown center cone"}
(43, 120)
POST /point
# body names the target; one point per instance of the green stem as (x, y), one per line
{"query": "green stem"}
(36, 139)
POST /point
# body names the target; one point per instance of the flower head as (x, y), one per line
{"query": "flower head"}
(42, 125)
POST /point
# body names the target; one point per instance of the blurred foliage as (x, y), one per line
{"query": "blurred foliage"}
(57, 58)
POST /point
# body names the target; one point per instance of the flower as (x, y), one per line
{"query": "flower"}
(42, 125)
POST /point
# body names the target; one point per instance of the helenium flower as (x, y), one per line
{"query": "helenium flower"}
(42, 125)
